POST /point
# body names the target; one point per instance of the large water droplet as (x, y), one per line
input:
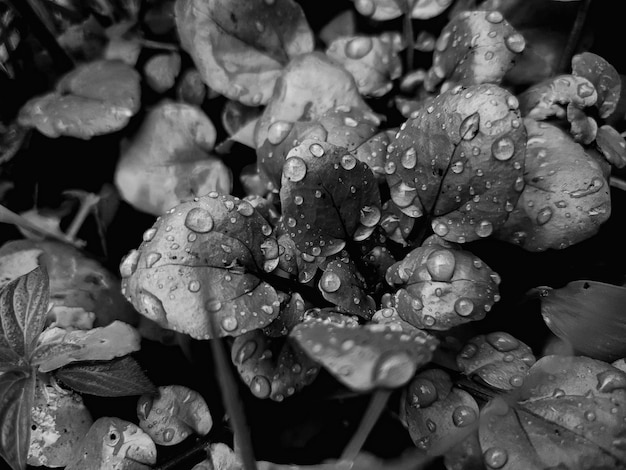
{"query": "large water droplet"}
(440, 228)
(430, 425)
(503, 148)
(429, 320)
(502, 341)
(464, 307)
(515, 42)
(494, 17)
(469, 127)
(358, 47)
(463, 416)
(294, 169)
(152, 307)
(229, 323)
(424, 393)
(516, 381)
(409, 158)
(544, 215)
(441, 265)
(330, 282)
(278, 131)
(495, 457)
(260, 386)
(484, 228)
(149, 234)
(245, 209)
(348, 162)
(152, 258)
(194, 286)
(457, 167)
(246, 351)
(129, 264)
(213, 305)
(370, 216)
(199, 220)
(316, 150)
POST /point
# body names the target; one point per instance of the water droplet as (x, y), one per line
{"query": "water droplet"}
(278, 131)
(463, 416)
(294, 169)
(246, 351)
(260, 386)
(317, 150)
(229, 323)
(495, 457)
(424, 392)
(168, 435)
(267, 309)
(440, 228)
(544, 215)
(245, 209)
(429, 320)
(503, 148)
(390, 168)
(296, 368)
(502, 341)
(515, 42)
(409, 158)
(194, 286)
(488, 55)
(330, 282)
(298, 200)
(199, 220)
(430, 425)
(129, 264)
(468, 351)
(516, 381)
(348, 162)
(316, 251)
(152, 307)
(558, 393)
(484, 228)
(464, 307)
(416, 304)
(370, 216)
(590, 416)
(609, 381)
(358, 47)
(213, 305)
(494, 17)
(266, 230)
(149, 234)
(350, 122)
(441, 265)
(512, 102)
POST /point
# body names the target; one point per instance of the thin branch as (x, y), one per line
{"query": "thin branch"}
(197, 450)
(574, 37)
(617, 183)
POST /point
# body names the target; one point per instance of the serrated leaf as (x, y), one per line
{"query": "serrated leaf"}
(116, 378)
(17, 392)
(58, 347)
(23, 307)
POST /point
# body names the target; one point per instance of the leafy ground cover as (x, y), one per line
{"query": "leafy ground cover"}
(266, 234)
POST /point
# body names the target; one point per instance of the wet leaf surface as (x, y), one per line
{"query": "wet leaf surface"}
(17, 394)
(604, 78)
(344, 286)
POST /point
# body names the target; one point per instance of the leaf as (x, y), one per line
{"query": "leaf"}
(588, 315)
(23, 307)
(191, 89)
(327, 197)
(426, 9)
(240, 47)
(202, 263)
(119, 377)
(499, 359)
(94, 99)
(439, 286)
(465, 55)
(344, 286)
(168, 161)
(274, 368)
(58, 347)
(382, 354)
(604, 78)
(466, 149)
(17, 391)
(612, 146)
(373, 61)
(161, 71)
(566, 197)
(173, 414)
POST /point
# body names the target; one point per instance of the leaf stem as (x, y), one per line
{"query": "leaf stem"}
(574, 37)
(199, 447)
(618, 183)
(409, 36)
(374, 409)
(86, 205)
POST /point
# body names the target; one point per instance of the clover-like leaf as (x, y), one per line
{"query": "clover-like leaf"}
(381, 354)
(612, 146)
(475, 47)
(604, 78)
(344, 286)
(566, 197)
(570, 415)
(173, 414)
(327, 197)
(58, 347)
(436, 413)
(23, 307)
(308, 87)
(76, 279)
(114, 444)
(460, 161)
(240, 47)
(168, 160)
(373, 61)
(94, 99)
(59, 420)
(17, 395)
(198, 269)
(273, 368)
(498, 358)
(439, 286)
(588, 315)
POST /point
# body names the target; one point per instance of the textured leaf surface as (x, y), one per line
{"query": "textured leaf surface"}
(604, 78)
(17, 391)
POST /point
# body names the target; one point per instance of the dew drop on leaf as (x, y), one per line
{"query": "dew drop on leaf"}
(330, 282)
(463, 416)
(409, 158)
(294, 169)
(246, 351)
(464, 307)
(358, 47)
(229, 323)
(194, 286)
(260, 386)
(129, 264)
(495, 457)
(469, 127)
(441, 265)
(544, 216)
(152, 258)
(503, 148)
(149, 234)
(484, 229)
(199, 220)
(348, 162)
(317, 150)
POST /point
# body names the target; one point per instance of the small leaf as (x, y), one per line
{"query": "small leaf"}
(17, 392)
(344, 286)
(604, 78)
(550, 97)
(9, 359)
(116, 378)
(23, 308)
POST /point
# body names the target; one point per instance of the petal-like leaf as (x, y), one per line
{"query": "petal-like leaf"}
(240, 47)
(604, 78)
(116, 378)
(201, 264)
(273, 368)
(566, 197)
(58, 347)
(460, 161)
(17, 392)
(23, 308)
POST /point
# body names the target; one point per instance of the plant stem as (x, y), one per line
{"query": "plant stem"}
(574, 37)
(409, 36)
(86, 205)
(374, 409)
(198, 448)
(618, 183)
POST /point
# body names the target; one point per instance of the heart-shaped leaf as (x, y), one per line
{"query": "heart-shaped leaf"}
(58, 347)
(604, 78)
(474, 47)
(499, 359)
(17, 392)
(198, 269)
(168, 160)
(382, 354)
(439, 286)
(327, 197)
(94, 99)
(460, 161)
(116, 378)
(240, 47)
(23, 307)
(566, 197)
(273, 368)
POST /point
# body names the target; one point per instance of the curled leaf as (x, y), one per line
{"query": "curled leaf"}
(499, 359)
(174, 414)
(198, 268)
(604, 78)
(240, 47)
(438, 286)
(566, 197)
